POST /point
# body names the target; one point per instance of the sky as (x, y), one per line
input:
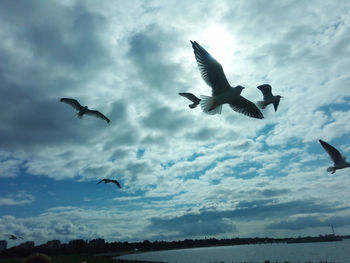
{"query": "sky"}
(184, 174)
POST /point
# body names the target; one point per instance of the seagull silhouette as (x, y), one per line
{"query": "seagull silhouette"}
(84, 110)
(268, 97)
(214, 76)
(192, 98)
(110, 181)
(13, 237)
(336, 156)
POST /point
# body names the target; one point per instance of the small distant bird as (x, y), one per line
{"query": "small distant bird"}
(192, 98)
(336, 156)
(268, 97)
(13, 237)
(84, 110)
(213, 74)
(110, 181)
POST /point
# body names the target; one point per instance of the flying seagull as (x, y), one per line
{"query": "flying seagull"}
(213, 74)
(110, 181)
(336, 156)
(268, 97)
(84, 110)
(13, 237)
(192, 98)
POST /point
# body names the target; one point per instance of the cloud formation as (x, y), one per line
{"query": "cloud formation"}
(183, 173)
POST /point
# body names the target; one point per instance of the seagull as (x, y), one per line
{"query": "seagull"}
(13, 237)
(110, 181)
(336, 156)
(214, 76)
(84, 110)
(192, 98)
(268, 97)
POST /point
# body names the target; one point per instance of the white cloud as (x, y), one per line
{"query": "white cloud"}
(20, 198)
(129, 60)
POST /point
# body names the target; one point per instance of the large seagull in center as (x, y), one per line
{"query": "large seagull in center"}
(213, 74)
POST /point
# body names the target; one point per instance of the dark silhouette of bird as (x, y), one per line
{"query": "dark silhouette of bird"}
(336, 156)
(13, 237)
(214, 76)
(192, 98)
(84, 110)
(110, 181)
(268, 97)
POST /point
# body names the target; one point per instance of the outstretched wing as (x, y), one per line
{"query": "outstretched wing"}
(97, 114)
(211, 70)
(101, 181)
(10, 236)
(72, 102)
(266, 91)
(332, 152)
(117, 183)
(246, 107)
(190, 96)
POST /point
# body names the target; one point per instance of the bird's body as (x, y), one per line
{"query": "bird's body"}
(338, 159)
(222, 93)
(268, 97)
(192, 98)
(13, 237)
(84, 110)
(110, 181)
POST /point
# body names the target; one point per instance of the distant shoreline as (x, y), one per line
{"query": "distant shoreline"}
(118, 249)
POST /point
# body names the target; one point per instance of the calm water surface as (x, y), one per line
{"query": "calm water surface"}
(338, 252)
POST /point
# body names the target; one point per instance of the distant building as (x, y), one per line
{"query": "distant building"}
(28, 244)
(77, 244)
(53, 244)
(3, 244)
(98, 243)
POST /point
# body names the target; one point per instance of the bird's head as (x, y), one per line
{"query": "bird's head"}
(240, 88)
(279, 96)
(264, 86)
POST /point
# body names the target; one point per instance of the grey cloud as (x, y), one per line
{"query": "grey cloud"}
(149, 51)
(306, 222)
(198, 227)
(58, 34)
(56, 39)
(163, 118)
(202, 134)
(275, 192)
(34, 121)
(246, 211)
(122, 137)
(119, 154)
(118, 112)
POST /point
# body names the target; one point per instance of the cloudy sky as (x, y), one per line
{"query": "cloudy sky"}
(184, 174)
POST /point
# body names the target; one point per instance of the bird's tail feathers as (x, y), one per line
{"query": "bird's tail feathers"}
(207, 103)
(261, 104)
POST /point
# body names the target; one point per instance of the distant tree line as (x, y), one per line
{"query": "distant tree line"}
(100, 246)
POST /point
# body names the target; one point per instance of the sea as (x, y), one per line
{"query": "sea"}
(336, 252)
